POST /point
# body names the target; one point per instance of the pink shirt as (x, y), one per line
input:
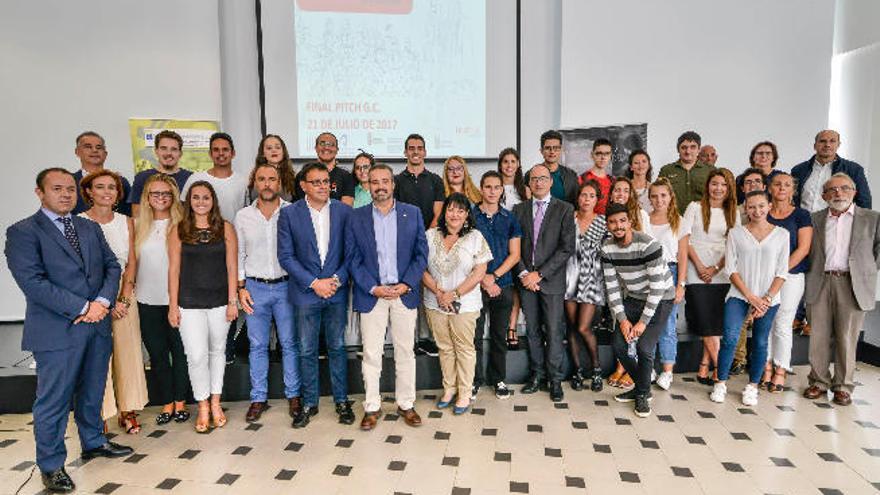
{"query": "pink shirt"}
(838, 232)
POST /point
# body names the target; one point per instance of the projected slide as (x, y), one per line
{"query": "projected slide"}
(372, 72)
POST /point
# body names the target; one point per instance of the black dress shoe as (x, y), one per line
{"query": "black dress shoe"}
(346, 415)
(109, 449)
(58, 481)
(532, 386)
(301, 419)
(556, 394)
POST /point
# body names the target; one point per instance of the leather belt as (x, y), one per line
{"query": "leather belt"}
(836, 273)
(269, 280)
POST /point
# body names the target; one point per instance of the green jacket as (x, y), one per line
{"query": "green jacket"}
(687, 184)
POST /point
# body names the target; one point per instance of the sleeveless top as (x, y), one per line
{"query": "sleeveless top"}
(116, 233)
(203, 276)
(151, 286)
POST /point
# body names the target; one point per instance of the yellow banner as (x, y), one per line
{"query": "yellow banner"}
(195, 133)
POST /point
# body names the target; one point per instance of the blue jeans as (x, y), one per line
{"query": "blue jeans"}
(668, 342)
(735, 312)
(330, 319)
(270, 302)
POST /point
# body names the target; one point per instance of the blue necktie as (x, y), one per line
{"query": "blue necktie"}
(70, 234)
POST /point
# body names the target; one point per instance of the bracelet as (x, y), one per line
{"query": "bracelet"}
(455, 294)
(233, 301)
(124, 300)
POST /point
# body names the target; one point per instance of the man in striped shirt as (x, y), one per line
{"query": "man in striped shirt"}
(640, 295)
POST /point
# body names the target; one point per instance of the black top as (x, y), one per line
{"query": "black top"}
(422, 191)
(203, 276)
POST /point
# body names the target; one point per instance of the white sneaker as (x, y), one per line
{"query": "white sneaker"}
(719, 392)
(750, 395)
(664, 381)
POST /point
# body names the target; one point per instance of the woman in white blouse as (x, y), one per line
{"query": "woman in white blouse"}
(757, 264)
(639, 173)
(515, 192)
(457, 259)
(673, 233)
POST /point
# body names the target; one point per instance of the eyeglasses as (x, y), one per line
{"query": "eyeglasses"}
(319, 182)
(539, 178)
(362, 167)
(753, 182)
(838, 189)
(552, 148)
(455, 169)
(326, 144)
(602, 153)
(161, 194)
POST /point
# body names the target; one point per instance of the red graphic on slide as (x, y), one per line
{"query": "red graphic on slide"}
(357, 6)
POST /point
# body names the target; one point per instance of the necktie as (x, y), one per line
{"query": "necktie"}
(70, 234)
(536, 226)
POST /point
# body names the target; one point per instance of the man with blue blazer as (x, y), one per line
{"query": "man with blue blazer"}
(811, 175)
(69, 276)
(388, 253)
(311, 248)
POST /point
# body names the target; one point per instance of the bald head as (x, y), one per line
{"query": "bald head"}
(826, 144)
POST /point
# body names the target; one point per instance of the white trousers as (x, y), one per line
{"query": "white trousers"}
(779, 346)
(373, 327)
(203, 332)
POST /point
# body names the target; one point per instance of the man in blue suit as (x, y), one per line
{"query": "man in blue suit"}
(388, 253)
(69, 277)
(311, 248)
(812, 174)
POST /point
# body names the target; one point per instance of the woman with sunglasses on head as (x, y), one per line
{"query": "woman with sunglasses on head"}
(167, 357)
(126, 390)
(273, 151)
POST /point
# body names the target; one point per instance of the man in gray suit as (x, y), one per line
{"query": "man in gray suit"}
(547, 243)
(841, 284)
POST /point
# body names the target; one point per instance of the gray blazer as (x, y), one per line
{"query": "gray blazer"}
(864, 257)
(555, 243)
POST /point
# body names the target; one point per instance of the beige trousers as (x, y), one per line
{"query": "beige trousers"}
(836, 321)
(454, 335)
(373, 327)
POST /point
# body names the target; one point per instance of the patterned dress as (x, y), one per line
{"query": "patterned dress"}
(590, 282)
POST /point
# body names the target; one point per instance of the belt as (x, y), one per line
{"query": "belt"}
(269, 280)
(836, 273)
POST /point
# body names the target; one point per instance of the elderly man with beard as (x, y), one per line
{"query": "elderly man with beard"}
(840, 286)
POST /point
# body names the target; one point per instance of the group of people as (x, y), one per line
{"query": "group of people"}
(288, 247)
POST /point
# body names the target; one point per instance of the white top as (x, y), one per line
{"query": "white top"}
(710, 246)
(151, 286)
(647, 228)
(451, 268)
(511, 197)
(644, 201)
(258, 243)
(811, 196)
(116, 233)
(757, 263)
(838, 235)
(232, 191)
(669, 240)
(321, 224)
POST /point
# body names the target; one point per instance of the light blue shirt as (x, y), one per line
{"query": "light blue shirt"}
(55, 219)
(385, 227)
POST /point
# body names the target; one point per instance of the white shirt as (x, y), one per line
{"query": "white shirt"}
(321, 224)
(511, 197)
(838, 233)
(258, 243)
(151, 286)
(811, 197)
(757, 263)
(669, 240)
(232, 191)
(451, 268)
(709, 246)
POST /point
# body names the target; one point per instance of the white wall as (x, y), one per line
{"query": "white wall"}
(70, 66)
(736, 72)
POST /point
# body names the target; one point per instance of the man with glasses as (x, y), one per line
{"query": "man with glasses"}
(92, 153)
(168, 146)
(311, 249)
(812, 174)
(548, 229)
(341, 180)
(688, 174)
(840, 286)
(565, 180)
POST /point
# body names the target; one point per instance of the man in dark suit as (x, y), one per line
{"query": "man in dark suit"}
(311, 248)
(840, 286)
(811, 175)
(92, 153)
(69, 277)
(548, 230)
(388, 253)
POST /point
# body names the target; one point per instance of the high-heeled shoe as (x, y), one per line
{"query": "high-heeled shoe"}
(459, 410)
(203, 420)
(218, 417)
(443, 404)
(705, 380)
(614, 379)
(128, 422)
(777, 383)
(512, 339)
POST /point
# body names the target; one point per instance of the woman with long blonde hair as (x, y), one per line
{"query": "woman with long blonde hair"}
(167, 358)
(711, 219)
(456, 178)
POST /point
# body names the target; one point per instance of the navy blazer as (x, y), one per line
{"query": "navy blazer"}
(801, 172)
(363, 260)
(298, 251)
(57, 282)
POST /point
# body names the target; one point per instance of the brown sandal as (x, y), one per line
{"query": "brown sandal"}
(218, 419)
(512, 339)
(203, 420)
(625, 381)
(128, 422)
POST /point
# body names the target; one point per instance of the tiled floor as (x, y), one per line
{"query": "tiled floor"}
(527, 444)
